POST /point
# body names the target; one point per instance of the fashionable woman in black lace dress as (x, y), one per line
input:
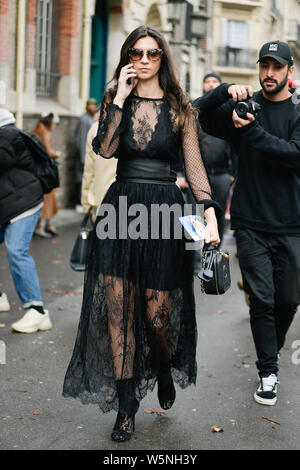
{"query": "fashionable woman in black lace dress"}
(137, 324)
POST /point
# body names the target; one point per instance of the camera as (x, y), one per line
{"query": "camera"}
(248, 106)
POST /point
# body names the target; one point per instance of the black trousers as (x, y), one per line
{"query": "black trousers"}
(270, 266)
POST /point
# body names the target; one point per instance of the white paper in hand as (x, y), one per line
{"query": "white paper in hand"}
(194, 225)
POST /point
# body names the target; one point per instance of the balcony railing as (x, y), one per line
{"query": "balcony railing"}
(249, 4)
(47, 83)
(235, 57)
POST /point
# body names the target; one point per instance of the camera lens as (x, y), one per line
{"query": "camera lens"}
(242, 108)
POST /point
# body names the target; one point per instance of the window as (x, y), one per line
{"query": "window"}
(236, 34)
(236, 38)
(45, 80)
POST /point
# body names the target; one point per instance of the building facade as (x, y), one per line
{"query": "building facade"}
(54, 54)
(240, 28)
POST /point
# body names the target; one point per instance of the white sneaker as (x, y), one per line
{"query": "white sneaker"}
(4, 304)
(79, 209)
(33, 321)
(266, 393)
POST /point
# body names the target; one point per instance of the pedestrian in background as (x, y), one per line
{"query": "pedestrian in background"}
(265, 209)
(219, 160)
(43, 129)
(219, 157)
(137, 324)
(21, 201)
(85, 122)
(98, 175)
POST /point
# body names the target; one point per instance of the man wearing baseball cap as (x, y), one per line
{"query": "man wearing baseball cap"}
(265, 207)
(278, 50)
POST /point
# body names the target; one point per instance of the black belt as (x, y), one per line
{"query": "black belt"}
(146, 170)
(217, 171)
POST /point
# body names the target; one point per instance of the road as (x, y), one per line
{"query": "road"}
(34, 415)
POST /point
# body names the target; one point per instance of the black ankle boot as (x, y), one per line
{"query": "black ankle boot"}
(128, 406)
(124, 427)
(165, 390)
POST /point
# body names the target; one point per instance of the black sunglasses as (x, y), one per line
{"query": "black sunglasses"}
(137, 54)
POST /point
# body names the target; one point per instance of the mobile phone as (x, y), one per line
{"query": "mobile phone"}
(129, 81)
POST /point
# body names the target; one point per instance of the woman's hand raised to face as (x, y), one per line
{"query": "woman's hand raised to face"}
(124, 89)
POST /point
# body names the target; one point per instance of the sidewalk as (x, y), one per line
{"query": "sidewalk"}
(34, 415)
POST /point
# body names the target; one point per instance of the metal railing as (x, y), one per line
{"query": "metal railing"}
(236, 57)
(47, 83)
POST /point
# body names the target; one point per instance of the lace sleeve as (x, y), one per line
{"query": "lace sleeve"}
(194, 168)
(106, 141)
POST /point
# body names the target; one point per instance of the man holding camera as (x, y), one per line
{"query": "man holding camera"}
(265, 207)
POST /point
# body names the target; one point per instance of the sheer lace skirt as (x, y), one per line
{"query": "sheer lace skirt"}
(138, 311)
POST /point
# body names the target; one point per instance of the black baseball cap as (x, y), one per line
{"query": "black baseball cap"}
(279, 51)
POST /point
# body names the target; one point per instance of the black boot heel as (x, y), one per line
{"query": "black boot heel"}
(124, 428)
(166, 391)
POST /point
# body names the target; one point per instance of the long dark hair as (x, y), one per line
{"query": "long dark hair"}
(167, 78)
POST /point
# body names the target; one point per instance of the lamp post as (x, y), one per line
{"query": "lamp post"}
(198, 25)
(188, 27)
(193, 23)
(174, 18)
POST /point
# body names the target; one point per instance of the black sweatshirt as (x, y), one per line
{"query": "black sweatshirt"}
(266, 196)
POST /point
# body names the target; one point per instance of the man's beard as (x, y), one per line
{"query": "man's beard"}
(277, 89)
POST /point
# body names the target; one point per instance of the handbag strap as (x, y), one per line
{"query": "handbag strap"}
(206, 273)
(85, 220)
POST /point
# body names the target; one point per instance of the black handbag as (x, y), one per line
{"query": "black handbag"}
(79, 253)
(215, 273)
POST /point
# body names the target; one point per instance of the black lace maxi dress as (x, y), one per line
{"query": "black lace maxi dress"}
(138, 311)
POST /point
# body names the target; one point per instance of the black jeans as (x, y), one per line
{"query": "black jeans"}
(270, 266)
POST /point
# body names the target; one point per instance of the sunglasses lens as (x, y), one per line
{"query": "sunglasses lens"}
(135, 54)
(154, 54)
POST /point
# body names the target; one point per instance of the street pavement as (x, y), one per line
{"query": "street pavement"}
(34, 415)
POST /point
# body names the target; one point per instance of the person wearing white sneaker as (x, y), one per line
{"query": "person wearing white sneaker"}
(265, 209)
(33, 321)
(21, 201)
(266, 393)
(4, 304)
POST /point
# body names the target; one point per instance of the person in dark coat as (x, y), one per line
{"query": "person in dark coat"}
(21, 202)
(220, 159)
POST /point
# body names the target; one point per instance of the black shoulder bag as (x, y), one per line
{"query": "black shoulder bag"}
(79, 253)
(215, 273)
